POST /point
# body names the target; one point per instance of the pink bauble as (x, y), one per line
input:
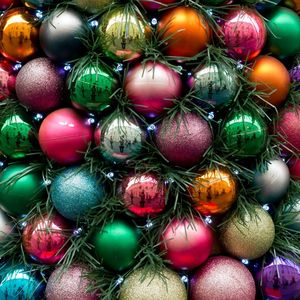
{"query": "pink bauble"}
(7, 79)
(294, 167)
(188, 243)
(156, 5)
(64, 136)
(222, 278)
(244, 33)
(152, 87)
(40, 85)
(184, 139)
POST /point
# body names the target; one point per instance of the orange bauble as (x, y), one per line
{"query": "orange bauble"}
(184, 31)
(272, 78)
(214, 191)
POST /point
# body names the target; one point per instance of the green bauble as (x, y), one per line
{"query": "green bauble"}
(16, 136)
(244, 134)
(283, 32)
(20, 189)
(93, 88)
(116, 244)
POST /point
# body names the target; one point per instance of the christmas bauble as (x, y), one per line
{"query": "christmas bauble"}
(62, 34)
(222, 278)
(143, 194)
(92, 88)
(186, 243)
(152, 87)
(6, 226)
(163, 284)
(75, 191)
(213, 191)
(17, 135)
(271, 78)
(215, 84)
(273, 182)
(40, 85)
(7, 79)
(294, 167)
(280, 279)
(184, 139)
(244, 134)
(18, 34)
(69, 284)
(39, 4)
(294, 74)
(244, 33)
(156, 5)
(5, 4)
(64, 136)
(45, 239)
(21, 188)
(119, 139)
(92, 6)
(123, 34)
(116, 244)
(249, 236)
(184, 32)
(283, 32)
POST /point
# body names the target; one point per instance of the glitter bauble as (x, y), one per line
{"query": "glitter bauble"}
(62, 34)
(186, 243)
(244, 33)
(69, 284)
(45, 239)
(19, 34)
(92, 6)
(249, 236)
(184, 139)
(75, 191)
(7, 79)
(222, 278)
(156, 5)
(40, 4)
(163, 284)
(143, 194)
(213, 191)
(64, 136)
(152, 87)
(6, 226)
(21, 188)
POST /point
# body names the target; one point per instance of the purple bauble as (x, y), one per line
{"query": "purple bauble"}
(40, 85)
(295, 75)
(280, 279)
(184, 139)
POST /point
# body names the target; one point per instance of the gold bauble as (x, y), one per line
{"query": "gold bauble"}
(92, 6)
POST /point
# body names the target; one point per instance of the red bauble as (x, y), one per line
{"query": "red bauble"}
(294, 167)
(152, 87)
(46, 238)
(155, 5)
(7, 79)
(5, 4)
(143, 194)
(187, 243)
(184, 139)
(64, 136)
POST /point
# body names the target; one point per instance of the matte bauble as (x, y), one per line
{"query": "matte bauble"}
(186, 243)
(6, 226)
(152, 88)
(69, 284)
(143, 285)
(244, 33)
(5, 4)
(75, 191)
(40, 85)
(64, 136)
(40, 4)
(249, 236)
(184, 139)
(62, 34)
(19, 34)
(222, 278)
(156, 5)
(92, 6)
(46, 238)
(213, 191)
(7, 79)
(184, 32)
(21, 188)
(116, 244)
(143, 194)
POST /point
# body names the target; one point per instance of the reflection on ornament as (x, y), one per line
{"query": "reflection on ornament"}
(7, 79)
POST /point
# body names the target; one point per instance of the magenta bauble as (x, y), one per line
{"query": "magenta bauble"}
(294, 167)
(7, 79)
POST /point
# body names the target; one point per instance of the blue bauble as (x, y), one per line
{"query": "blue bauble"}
(75, 191)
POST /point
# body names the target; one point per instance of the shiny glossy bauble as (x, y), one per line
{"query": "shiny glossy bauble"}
(45, 239)
(186, 243)
(7, 79)
(213, 191)
(21, 188)
(156, 5)
(62, 34)
(184, 32)
(244, 33)
(19, 34)
(92, 6)
(64, 136)
(40, 4)
(152, 88)
(6, 226)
